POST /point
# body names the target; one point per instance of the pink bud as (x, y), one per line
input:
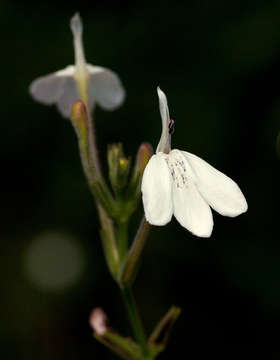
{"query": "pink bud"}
(98, 321)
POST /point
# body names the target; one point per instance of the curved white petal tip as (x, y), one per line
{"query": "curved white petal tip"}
(162, 97)
(76, 24)
(159, 91)
(219, 191)
(165, 118)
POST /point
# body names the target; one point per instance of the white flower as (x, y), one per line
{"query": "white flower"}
(92, 84)
(180, 183)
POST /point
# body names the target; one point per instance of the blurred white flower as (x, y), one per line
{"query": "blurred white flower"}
(54, 261)
(180, 183)
(92, 84)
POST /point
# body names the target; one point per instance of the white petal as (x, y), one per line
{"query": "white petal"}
(47, 89)
(68, 97)
(220, 192)
(165, 118)
(157, 191)
(66, 72)
(105, 88)
(163, 107)
(191, 210)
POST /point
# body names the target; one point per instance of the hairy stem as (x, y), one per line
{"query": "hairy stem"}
(92, 144)
(130, 267)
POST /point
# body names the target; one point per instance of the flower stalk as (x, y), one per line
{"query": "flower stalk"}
(122, 237)
(89, 158)
(114, 233)
(130, 265)
(135, 321)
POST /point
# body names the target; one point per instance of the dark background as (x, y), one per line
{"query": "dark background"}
(218, 62)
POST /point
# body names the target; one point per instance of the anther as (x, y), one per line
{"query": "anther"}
(171, 126)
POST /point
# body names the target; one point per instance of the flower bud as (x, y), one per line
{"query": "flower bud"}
(144, 153)
(79, 119)
(98, 321)
(119, 167)
(143, 156)
(124, 347)
(123, 168)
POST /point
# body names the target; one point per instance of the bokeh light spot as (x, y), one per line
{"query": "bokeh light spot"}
(54, 261)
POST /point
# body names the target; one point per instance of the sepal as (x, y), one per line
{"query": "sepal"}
(109, 244)
(98, 187)
(159, 337)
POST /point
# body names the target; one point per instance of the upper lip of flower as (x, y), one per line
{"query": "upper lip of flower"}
(164, 144)
(92, 84)
(180, 183)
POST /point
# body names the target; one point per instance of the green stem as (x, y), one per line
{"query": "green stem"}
(92, 143)
(83, 124)
(122, 239)
(135, 321)
(109, 242)
(129, 268)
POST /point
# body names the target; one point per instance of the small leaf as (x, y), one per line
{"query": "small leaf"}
(159, 337)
